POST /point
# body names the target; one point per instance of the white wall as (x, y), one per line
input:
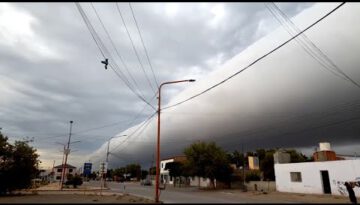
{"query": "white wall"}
(166, 172)
(204, 182)
(339, 172)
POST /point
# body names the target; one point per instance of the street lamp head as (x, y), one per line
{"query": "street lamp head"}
(71, 121)
(192, 80)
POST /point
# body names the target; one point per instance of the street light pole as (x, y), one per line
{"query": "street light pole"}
(67, 151)
(158, 138)
(107, 156)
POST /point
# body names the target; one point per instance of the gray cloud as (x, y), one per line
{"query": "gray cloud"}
(52, 73)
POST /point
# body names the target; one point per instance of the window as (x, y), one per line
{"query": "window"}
(70, 170)
(58, 177)
(162, 165)
(295, 176)
(170, 178)
(59, 170)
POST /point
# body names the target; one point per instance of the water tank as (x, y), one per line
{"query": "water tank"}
(325, 146)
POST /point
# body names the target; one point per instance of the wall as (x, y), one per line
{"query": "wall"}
(339, 172)
(164, 172)
(194, 181)
(267, 186)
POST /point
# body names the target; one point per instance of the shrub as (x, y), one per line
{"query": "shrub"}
(252, 176)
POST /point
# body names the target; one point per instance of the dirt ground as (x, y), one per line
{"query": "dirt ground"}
(72, 198)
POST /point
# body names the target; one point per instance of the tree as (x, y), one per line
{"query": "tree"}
(18, 165)
(134, 170)
(144, 174)
(175, 170)
(209, 161)
(296, 156)
(267, 165)
(237, 158)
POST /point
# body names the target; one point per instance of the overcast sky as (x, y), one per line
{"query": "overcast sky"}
(51, 73)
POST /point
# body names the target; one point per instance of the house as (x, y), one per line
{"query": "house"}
(327, 175)
(69, 169)
(165, 177)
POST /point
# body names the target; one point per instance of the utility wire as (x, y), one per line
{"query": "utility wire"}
(309, 46)
(105, 126)
(137, 129)
(116, 50)
(143, 44)
(103, 50)
(133, 46)
(254, 62)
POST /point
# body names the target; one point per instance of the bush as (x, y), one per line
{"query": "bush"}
(252, 176)
(74, 180)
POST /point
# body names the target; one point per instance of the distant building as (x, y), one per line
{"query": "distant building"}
(253, 162)
(280, 157)
(165, 177)
(326, 175)
(69, 169)
(325, 153)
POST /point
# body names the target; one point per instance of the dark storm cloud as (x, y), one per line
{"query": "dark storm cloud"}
(52, 72)
(285, 100)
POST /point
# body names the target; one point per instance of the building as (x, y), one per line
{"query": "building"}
(325, 176)
(253, 162)
(69, 169)
(165, 177)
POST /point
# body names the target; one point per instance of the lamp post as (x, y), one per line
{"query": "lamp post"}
(107, 155)
(158, 138)
(66, 152)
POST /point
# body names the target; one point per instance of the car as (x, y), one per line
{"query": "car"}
(146, 182)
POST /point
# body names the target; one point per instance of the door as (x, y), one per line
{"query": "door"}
(326, 181)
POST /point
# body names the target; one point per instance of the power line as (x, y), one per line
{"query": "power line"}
(142, 42)
(309, 46)
(104, 50)
(133, 46)
(116, 50)
(254, 62)
(146, 122)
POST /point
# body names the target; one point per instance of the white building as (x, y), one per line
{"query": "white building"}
(192, 181)
(165, 177)
(322, 177)
(69, 169)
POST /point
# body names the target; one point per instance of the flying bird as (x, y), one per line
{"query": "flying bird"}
(106, 62)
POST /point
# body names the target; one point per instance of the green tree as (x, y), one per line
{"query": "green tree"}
(175, 170)
(209, 161)
(267, 165)
(134, 170)
(18, 165)
(237, 158)
(253, 175)
(296, 156)
(144, 174)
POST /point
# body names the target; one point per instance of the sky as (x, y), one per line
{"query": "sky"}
(51, 73)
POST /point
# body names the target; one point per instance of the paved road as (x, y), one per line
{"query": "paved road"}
(186, 195)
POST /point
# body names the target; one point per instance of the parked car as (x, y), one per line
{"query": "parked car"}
(146, 182)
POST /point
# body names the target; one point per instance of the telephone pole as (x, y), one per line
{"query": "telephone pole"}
(66, 152)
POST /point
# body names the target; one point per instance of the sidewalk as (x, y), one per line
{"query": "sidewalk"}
(55, 186)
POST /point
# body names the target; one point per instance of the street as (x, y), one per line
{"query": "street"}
(194, 195)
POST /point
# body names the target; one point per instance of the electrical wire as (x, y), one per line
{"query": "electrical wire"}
(133, 46)
(143, 44)
(254, 62)
(103, 49)
(116, 50)
(309, 46)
